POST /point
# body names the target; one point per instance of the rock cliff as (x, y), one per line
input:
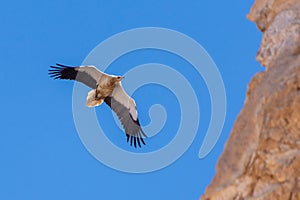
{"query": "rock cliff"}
(261, 159)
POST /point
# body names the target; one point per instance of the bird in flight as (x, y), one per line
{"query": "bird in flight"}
(105, 88)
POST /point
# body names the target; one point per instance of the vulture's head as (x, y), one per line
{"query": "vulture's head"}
(119, 78)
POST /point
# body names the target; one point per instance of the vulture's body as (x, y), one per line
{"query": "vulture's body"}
(105, 88)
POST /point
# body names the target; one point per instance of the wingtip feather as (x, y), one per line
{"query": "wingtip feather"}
(130, 140)
(138, 141)
(135, 142)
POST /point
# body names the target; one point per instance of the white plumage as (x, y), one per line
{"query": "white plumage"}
(105, 88)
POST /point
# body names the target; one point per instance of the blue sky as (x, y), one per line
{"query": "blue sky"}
(41, 155)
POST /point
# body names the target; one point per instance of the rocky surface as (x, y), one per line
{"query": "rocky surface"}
(261, 159)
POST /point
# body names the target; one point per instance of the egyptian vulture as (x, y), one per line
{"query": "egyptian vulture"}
(105, 88)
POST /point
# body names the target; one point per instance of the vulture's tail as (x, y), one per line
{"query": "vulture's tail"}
(91, 101)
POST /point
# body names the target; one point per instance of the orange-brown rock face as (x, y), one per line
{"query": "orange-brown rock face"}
(261, 159)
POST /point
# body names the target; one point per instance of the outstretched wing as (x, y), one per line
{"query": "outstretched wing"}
(124, 106)
(88, 75)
